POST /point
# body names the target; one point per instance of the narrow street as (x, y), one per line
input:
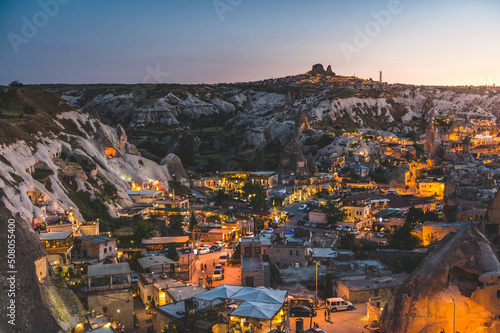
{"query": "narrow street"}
(232, 274)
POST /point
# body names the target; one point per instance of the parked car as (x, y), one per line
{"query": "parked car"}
(380, 235)
(219, 267)
(307, 224)
(338, 228)
(346, 229)
(307, 209)
(221, 244)
(335, 304)
(313, 225)
(302, 207)
(217, 275)
(215, 248)
(203, 250)
(355, 231)
(302, 311)
(269, 230)
(296, 200)
(224, 257)
(383, 243)
(290, 214)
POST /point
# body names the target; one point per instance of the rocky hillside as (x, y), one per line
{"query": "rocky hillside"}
(65, 159)
(228, 121)
(64, 156)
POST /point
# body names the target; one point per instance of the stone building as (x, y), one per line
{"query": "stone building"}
(95, 247)
(110, 288)
(253, 269)
(434, 231)
(361, 289)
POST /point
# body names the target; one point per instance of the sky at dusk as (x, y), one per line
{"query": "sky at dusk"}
(421, 42)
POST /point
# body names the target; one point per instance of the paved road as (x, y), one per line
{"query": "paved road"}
(232, 274)
(343, 321)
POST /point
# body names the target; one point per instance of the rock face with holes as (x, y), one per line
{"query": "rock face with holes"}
(464, 268)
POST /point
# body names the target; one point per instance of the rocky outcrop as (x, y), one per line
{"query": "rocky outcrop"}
(302, 122)
(40, 307)
(432, 145)
(292, 160)
(316, 69)
(311, 164)
(248, 102)
(462, 272)
(329, 71)
(175, 168)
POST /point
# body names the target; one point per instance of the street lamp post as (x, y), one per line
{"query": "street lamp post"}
(453, 299)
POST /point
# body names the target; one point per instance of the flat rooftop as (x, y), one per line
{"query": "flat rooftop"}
(147, 262)
(369, 283)
(96, 238)
(55, 235)
(109, 269)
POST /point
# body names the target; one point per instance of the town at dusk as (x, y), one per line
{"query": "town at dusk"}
(232, 166)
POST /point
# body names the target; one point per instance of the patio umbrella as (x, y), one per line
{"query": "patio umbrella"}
(264, 295)
(222, 291)
(256, 310)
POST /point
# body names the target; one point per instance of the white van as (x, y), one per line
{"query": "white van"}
(337, 303)
(224, 257)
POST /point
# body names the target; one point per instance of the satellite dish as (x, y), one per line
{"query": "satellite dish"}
(196, 304)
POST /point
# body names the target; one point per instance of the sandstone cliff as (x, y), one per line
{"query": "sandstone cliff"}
(462, 267)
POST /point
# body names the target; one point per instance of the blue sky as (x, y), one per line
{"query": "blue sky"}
(207, 41)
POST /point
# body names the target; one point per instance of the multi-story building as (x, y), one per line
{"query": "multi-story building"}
(95, 247)
(253, 269)
(58, 246)
(429, 188)
(110, 291)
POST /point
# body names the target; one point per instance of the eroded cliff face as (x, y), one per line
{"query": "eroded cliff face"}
(39, 307)
(463, 268)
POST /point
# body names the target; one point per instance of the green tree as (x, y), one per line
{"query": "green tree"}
(329, 284)
(323, 193)
(175, 224)
(132, 261)
(193, 221)
(141, 230)
(417, 216)
(403, 239)
(256, 195)
(348, 241)
(172, 253)
(334, 214)
(221, 197)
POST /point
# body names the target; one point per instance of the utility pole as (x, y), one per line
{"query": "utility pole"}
(380, 79)
(453, 299)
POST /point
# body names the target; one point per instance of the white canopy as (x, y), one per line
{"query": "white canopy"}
(256, 310)
(264, 295)
(222, 291)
